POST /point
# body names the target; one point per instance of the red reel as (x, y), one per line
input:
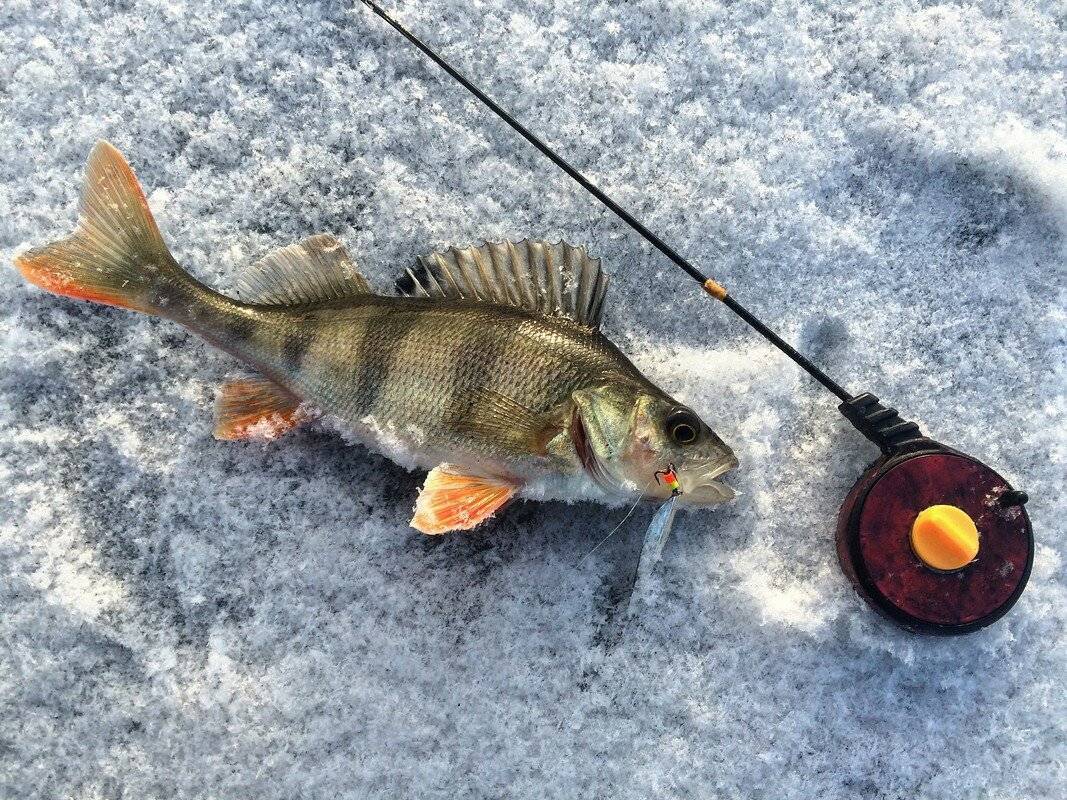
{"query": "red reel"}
(874, 541)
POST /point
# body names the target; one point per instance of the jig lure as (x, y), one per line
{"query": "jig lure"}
(660, 527)
(928, 569)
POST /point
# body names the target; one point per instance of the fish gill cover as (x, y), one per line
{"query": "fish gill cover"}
(192, 618)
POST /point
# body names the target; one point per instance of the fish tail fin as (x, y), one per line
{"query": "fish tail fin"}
(116, 255)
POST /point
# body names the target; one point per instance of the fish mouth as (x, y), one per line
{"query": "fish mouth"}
(701, 488)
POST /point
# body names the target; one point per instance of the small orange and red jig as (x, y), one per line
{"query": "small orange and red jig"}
(670, 478)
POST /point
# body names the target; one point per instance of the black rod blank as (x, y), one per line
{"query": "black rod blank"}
(709, 285)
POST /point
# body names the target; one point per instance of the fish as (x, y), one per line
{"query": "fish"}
(487, 367)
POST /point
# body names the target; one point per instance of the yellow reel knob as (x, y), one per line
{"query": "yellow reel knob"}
(944, 537)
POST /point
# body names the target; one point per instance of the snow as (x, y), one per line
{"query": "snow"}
(181, 617)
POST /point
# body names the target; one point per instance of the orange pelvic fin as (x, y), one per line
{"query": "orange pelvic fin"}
(454, 501)
(256, 408)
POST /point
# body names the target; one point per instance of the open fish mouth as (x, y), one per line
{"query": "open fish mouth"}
(703, 487)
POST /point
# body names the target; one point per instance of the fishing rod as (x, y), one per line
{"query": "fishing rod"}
(711, 286)
(923, 520)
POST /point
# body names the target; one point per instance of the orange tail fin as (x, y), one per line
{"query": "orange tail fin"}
(116, 255)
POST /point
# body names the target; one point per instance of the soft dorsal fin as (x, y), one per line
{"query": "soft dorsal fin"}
(552, 279)
(313, 271)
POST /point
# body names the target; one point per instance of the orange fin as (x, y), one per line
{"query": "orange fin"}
(454, 501)
(116, 256)
(256, 408)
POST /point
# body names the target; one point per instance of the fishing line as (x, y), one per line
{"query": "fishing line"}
(711, 286)
(622, 522)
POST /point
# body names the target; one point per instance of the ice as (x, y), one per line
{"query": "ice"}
(181, 617)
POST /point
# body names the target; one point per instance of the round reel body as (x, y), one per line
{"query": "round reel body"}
(874, 541)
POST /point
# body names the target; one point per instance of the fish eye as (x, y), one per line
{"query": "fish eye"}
(682, 426)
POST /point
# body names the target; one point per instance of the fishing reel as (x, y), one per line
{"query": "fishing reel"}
(930, 537)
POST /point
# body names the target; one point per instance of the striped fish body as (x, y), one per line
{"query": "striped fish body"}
(490, 370)
(434, 381)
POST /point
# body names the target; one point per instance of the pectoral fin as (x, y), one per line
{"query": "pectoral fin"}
(494, 416)
(256, 408)
(451, 500)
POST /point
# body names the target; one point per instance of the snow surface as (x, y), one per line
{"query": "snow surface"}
(181, 617)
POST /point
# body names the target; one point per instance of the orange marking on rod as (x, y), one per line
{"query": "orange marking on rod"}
(715, 289)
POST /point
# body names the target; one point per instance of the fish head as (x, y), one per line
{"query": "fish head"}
(627, 436)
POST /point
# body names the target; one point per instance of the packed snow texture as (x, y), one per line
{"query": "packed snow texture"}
(886, 181)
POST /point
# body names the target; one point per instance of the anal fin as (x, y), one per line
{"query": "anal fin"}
(451, 500)
(256, 408)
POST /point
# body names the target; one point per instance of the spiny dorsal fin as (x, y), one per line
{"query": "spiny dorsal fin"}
(313, 271)
(552, 279)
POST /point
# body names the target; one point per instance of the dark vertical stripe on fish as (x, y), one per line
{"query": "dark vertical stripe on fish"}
(477, 363)
(382, 343)
(295, 343)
